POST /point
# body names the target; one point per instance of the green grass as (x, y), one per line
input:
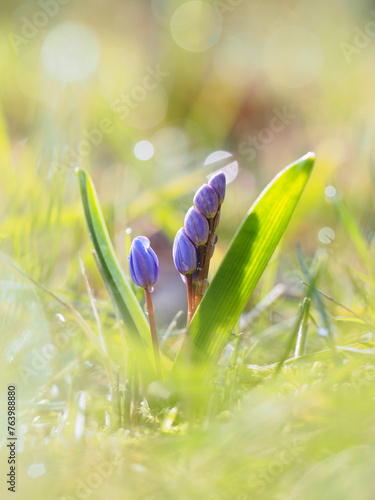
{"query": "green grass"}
(267, 430)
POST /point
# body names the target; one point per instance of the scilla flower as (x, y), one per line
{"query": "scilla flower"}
(144, 270)
(207, 201)
(143, 263)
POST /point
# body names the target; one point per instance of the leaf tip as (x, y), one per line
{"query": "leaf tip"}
(307, 160)
(310, 155)
(81, 173)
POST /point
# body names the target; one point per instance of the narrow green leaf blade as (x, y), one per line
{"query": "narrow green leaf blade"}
(354, 232)
(244, 263)
(136, 325)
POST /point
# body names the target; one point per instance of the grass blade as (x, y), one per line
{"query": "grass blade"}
(326, 330)
(354, 233)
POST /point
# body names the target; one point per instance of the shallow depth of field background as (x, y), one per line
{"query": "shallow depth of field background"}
(146, 95)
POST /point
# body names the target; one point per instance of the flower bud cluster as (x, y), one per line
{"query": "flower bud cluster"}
(195, 242)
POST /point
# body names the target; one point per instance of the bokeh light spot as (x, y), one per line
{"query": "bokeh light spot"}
(230, 168)
(196, 26)
(60, 318)
(70, 53)
(144, 150)
(326, 235)
(330, 191)
(36, 470)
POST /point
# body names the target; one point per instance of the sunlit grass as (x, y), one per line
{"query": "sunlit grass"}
(262, 435)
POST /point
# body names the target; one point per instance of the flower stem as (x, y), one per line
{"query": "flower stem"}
(155, 344)
(190, 297)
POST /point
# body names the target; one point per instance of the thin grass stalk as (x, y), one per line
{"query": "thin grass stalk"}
(155, 344)
(302, 332)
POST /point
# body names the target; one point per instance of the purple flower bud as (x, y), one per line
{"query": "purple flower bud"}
(196, 226)
(206, 201)
(218, 182)
(184, 253)
(143, 263)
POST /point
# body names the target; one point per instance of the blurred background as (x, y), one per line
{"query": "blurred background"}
(151, 97)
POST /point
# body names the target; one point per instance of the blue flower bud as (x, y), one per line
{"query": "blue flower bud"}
(218, 182)
(143, 263)
(206, 200)
(184, 253)
(196, 226)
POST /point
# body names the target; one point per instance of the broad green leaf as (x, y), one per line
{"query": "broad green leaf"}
(243, 265)
(136, 325)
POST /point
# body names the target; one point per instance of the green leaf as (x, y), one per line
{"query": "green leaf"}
(243, 265)
(136, 326)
